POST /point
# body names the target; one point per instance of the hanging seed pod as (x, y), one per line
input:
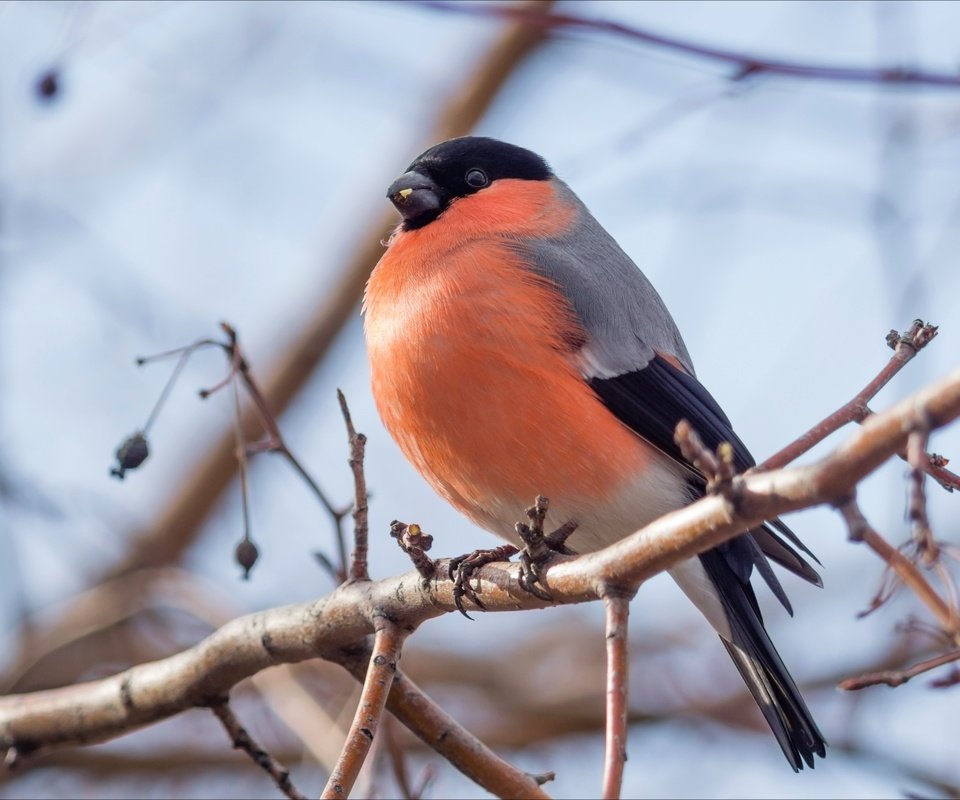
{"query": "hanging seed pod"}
(130, 455)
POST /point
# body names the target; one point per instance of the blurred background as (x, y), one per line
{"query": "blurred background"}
(165, 166)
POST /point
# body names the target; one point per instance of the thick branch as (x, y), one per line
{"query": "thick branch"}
(102, 709)
(437, 729)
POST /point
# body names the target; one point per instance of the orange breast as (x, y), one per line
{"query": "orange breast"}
(472, 370)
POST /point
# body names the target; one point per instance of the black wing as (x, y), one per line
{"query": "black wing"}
(651, 401)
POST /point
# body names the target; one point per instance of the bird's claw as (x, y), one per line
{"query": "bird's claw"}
(461, 569)
(531, 574)
(539, 548)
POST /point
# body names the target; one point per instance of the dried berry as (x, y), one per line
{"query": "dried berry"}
(130, 455)
(246, 555)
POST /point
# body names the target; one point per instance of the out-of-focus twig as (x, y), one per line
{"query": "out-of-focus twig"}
(861, 531)
(926, 544)
(242, 740)
(746, 64)
(134, 450)
(897, 677)
(398, 762)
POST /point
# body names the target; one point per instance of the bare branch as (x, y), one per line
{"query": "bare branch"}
(102, 709)
(745, 64)
(905, 569)
(617, 607)
(926, 544)
(387, 642)
(415, 543)
(897, 677)
(242, 740)
(437, 729)
(905, 346)
(718, 468)
(358, 443)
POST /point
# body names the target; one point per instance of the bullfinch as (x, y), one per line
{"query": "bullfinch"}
(516, 350)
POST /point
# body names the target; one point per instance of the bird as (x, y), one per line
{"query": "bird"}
(516, 350)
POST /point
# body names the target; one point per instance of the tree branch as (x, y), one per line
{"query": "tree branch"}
(905, 346)
(897, 677)
(437, 729)
(906, 570)
(617, 608)
(746, 64)
(100, 710)
(242, 740)
(381, 669)
(358, 445)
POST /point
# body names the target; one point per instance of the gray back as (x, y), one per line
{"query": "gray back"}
(616, 304)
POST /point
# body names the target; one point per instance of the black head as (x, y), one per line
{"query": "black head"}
(458, 168)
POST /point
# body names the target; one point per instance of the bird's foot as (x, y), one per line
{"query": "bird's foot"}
(461, 569)
(539, 548)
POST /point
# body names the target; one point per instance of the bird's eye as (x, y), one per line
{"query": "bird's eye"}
(476, 178)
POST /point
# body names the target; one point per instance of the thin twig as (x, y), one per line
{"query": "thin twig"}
(746, 64)
(861, 531)
(398, 763)
(275, 441)
(937, 470)
(694, 450)
(358, 443)
(387, 641)
(897, 677)
(905, 347)
(165, 392)
(246, 552)
(239, 372)
(927, 547)
(242, 740)
(718, 468)
(616, 606)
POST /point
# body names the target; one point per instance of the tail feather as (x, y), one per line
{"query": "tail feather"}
(761, 667)
(777, 550)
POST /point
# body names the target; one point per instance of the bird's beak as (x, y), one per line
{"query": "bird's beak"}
(414, 194)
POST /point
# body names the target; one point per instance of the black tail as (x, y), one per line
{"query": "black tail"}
(758, 660)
